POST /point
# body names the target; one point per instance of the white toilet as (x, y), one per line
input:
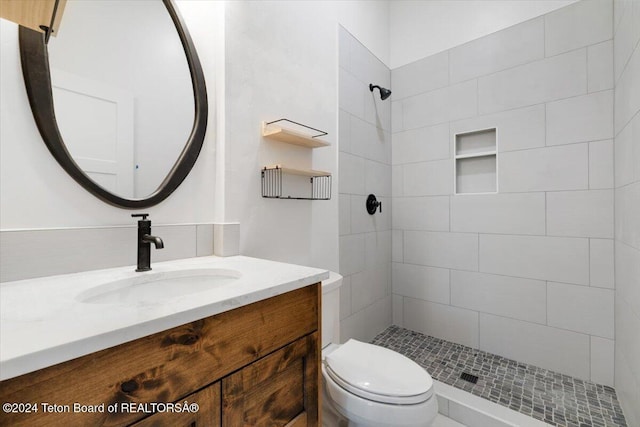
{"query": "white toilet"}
(365, 385)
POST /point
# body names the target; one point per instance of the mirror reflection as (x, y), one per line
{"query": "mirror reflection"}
(122, 92)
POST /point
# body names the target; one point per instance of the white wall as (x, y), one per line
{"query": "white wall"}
(281, 62)
(423, 28)
(492, 271)
(627, 206)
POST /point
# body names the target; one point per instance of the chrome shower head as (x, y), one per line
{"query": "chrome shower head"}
(384, 93)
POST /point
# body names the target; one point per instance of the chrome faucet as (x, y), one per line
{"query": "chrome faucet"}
(144, 242)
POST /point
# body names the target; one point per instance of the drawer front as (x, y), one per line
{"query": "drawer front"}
(278, 390)
(166, 366)
(207, 414)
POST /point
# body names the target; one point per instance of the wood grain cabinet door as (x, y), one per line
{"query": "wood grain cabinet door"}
(280, 389)
(207, 415)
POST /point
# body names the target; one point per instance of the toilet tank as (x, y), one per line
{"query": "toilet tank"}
(331, 309)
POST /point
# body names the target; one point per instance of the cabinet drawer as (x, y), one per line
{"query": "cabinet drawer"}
(278, 390)
(208, 414)
(166, 366)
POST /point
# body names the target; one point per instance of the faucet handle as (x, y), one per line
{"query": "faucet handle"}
(143, 215)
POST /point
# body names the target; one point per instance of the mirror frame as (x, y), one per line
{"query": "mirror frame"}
(37, 77)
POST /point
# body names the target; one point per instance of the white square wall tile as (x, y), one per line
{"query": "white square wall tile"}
(421, 213)
(377, 178)
(517, 213)
(441, 105)
(600, 66)
(545, 169)
(352, 254)
(351, 94)
(446, 250)
(370, 286)
(397, 180)
(624, 43)
(226, 239)
(361, 221)
(397, 242)
(624, 157)
(517, 129)
(523, 299)
(602, 361)
(420, 145)
(627, 99)
(428, 178)
(627, 327)
(344, 208)
(504, 49)
(635, 124)
(366, 324)
(601, 265)
(531, 343)
(581, 309)
(378, 250)
(351, 174)
(537, 257)
(397, 302)
(365, 66)
(601, 164)
(627, 209)
(580, 24)
(442, 321)
(344, 48)
(546, 80)
(377, 111)
(627, 387)
(580, 119)
(417, 281)
(580, 213)
(421, 76)
(396, 116)
(369, 141)
(627, 260)
(344, 131)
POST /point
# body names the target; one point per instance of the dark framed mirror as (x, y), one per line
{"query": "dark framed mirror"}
(67, 133)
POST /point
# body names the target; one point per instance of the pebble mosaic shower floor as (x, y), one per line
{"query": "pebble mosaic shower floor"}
(554, 398)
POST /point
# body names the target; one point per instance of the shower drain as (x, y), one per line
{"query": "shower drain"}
(469, 377)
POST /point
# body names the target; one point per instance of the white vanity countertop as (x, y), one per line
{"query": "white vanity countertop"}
(43, 321)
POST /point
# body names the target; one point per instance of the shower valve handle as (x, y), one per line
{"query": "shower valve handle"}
(373, 204)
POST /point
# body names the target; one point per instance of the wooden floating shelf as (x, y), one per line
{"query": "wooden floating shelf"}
(301, 172)
(291, 136)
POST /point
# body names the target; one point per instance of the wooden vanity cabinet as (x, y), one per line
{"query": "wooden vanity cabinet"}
(256, 365)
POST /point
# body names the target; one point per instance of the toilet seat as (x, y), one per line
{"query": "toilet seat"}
(378, 374)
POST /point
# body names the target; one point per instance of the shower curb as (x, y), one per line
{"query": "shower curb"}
(474, 411)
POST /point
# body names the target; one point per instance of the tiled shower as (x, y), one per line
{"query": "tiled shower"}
(545, 270)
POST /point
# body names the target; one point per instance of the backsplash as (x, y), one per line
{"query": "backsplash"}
(27, 254)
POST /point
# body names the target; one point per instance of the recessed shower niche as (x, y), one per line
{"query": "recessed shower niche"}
(476, 162)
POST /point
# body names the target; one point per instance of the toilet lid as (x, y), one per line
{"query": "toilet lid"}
(376, 373)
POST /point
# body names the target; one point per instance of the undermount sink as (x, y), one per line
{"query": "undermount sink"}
(154, 288)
